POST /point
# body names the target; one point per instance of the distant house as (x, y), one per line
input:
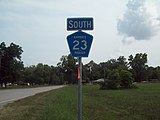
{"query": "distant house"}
(98, 81)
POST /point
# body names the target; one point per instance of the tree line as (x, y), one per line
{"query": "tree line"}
(12, 69)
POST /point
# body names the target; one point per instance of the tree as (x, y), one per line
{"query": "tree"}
(111, 64)
(28, 75)
(68, 67)
(153, 73)
(103, 70)
(56, 76)
(16, 71)
(94, 72)
(122, 63)
(119, 63)
(138, 64)
(86, 73)
(42, 74)
(11, 64)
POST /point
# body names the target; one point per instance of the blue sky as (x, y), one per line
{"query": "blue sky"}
(121, 27)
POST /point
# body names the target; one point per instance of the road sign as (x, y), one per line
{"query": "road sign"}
(80, 24)
(79, 44)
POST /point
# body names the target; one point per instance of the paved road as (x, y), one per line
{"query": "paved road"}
(10, 95)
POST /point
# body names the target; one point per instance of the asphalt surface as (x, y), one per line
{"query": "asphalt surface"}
(10, 95)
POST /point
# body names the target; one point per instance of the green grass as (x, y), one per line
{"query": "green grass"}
(142, 103)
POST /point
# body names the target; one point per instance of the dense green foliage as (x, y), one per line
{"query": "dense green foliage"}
(118, 79)
(113, 79)
(42, 74)
(11, 65)
(68, 68)
(13, 71)
(138, 64)
(61, 104)
(126, 79)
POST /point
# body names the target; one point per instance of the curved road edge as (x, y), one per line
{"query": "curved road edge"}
(11, 95)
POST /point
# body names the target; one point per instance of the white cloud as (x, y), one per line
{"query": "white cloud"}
(39, 27)
(140, 21)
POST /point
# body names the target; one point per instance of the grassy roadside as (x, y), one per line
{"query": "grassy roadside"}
(61, 104)
(52, 105)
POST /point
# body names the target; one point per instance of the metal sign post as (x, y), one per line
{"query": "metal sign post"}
(80, 88)
(79, 44)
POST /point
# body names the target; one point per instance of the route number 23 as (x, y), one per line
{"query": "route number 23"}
(77, 43)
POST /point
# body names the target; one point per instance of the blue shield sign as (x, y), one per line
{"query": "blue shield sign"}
(79, 44)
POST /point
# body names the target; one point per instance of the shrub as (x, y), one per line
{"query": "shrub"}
(118, 79)
(126, 79)
(113, 80)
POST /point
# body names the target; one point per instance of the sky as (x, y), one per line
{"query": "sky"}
(121, 28)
